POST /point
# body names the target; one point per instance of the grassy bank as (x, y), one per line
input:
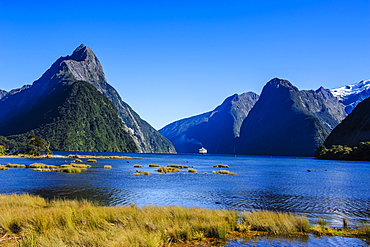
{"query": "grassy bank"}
(27, 220)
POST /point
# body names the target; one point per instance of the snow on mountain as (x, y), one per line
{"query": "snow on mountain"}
(356, 88)
(350, 96)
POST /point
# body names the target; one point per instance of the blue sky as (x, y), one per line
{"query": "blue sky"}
(174, 59)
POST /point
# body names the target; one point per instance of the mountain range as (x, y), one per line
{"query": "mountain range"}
(82, 65)
(282, 121)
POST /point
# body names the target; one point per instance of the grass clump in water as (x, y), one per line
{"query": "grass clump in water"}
(178, 166)
(70, 170)
(16, 165)
(143, 172)
(92, 161)
(137, 166)
(276, 223)
(3, 168)
(221, 166)
(80, 165)
(164, 169)
(154, 165)
(223, 172)
(77, 161)
(192, 170)
(41, 165)
(107, 167)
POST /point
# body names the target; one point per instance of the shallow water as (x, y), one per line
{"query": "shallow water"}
(332, 190)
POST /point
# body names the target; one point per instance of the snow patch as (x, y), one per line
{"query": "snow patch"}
(356, 88)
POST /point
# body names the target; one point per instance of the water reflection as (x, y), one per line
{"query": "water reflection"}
(301, 240)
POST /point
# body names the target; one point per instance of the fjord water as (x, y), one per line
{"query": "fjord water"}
(330, 190)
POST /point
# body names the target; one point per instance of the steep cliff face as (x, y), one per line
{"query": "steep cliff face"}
(281, 124)
(355, 128)
(216, 130)
(323, 105)
(76, 117)
(2, 93)
(81, 65)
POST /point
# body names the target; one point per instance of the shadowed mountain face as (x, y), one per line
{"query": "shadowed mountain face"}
(216, 130)
(355, 128)
(82, 65)
(281, 124)
(76, 117)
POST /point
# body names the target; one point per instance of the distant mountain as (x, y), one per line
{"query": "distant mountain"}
(351, 95)
(284, 122)
(3, 93)
(216, 130)
(82, 65)
(355, 128)
(76, 117)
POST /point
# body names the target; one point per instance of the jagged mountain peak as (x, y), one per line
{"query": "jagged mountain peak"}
(277, 82)
(82, 53)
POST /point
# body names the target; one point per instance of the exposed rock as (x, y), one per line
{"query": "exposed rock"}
(216, 130)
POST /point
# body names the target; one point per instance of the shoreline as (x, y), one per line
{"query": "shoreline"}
(71, 156)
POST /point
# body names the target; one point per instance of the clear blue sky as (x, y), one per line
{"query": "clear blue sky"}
(174, 59)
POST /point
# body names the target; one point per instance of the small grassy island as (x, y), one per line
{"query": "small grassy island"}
(28, 220)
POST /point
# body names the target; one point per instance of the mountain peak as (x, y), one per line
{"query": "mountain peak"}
(82, 53)
(277, 82)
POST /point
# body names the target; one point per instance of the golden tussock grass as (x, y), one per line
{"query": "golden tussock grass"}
(16, 165)
(107, 167)
(178, 166)
(138, 166)
(154, 165)
(221, 166)
(163, 169)
(38, 222)
(92, 160)
(276, 223)
(224, 172)
(192, 170)
(41, 165)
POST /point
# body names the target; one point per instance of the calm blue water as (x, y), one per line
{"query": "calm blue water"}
(332, 190)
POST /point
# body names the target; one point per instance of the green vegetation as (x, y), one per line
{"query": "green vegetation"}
(360, 152)
(221, 166)
(76, 117)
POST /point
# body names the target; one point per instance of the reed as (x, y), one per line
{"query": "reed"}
(221, 166)
(43, 170)
(137, 166)
(276, 223)
(107, 167)
(38, 222)
(77, 161)
(92, 161)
